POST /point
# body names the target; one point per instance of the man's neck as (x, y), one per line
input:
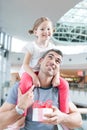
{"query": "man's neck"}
(45, 81)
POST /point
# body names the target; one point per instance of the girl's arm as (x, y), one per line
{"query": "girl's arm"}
(29, 70)
(56, 80)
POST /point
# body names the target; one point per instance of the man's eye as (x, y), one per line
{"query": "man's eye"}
(58, 61)
(50, 57)
(42, 29)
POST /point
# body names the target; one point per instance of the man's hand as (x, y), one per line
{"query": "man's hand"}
(25, 100)
(18, 124)
(56, 117)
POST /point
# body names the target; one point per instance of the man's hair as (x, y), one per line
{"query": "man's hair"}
(54, 50)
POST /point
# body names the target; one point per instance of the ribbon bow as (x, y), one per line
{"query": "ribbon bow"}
(38, 104)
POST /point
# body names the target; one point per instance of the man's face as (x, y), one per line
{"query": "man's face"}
(50, 64)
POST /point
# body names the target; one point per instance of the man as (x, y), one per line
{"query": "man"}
(49, 66)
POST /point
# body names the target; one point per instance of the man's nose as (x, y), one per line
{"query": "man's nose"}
(53, 63)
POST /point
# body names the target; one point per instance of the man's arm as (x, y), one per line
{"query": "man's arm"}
(71, 120)
(8, 113)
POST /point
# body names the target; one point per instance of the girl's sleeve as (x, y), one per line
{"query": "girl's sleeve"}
(64, 95)
(28, 48)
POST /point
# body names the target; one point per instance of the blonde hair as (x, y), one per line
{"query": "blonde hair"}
(37, 23)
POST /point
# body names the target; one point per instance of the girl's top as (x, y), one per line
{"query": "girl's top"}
(36, 53)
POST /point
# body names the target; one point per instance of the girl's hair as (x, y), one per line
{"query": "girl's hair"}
(37, 23)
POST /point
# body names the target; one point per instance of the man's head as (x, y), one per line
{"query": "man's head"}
(50, 62)
(54, 50)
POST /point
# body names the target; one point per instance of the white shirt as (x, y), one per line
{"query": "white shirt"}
(36, 53)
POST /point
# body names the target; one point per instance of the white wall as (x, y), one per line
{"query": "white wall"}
(76, 61)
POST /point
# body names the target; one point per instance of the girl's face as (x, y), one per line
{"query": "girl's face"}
(44, 31)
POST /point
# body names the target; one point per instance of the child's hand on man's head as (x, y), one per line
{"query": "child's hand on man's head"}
(56, 80)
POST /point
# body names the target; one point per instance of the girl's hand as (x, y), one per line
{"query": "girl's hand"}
(56, 80)
(36, 81)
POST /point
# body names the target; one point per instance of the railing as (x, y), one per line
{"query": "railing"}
(83, 112)
(78, 86)
(80, 93)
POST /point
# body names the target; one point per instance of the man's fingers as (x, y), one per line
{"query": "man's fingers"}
(28, 93)
(30, 90)
(19, 92)
(54, 108)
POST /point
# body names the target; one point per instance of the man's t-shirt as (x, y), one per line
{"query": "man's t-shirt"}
(41, 94)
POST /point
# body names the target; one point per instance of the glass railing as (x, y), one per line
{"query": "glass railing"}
(80, 93)
(83, 112)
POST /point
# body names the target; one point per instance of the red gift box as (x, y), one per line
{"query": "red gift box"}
(41, 108)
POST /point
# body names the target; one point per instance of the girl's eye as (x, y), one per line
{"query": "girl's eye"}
(48, 29)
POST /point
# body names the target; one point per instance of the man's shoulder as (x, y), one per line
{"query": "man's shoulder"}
(12, 94)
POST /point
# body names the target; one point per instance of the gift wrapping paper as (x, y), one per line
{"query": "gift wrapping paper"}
(41, 108)
(38, 113)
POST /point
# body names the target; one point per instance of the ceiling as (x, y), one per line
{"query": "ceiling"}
(18, 16)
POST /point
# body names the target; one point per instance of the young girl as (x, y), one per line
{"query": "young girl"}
(43, 31)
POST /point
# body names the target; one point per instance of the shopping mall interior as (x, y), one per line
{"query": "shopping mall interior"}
(70, 36)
